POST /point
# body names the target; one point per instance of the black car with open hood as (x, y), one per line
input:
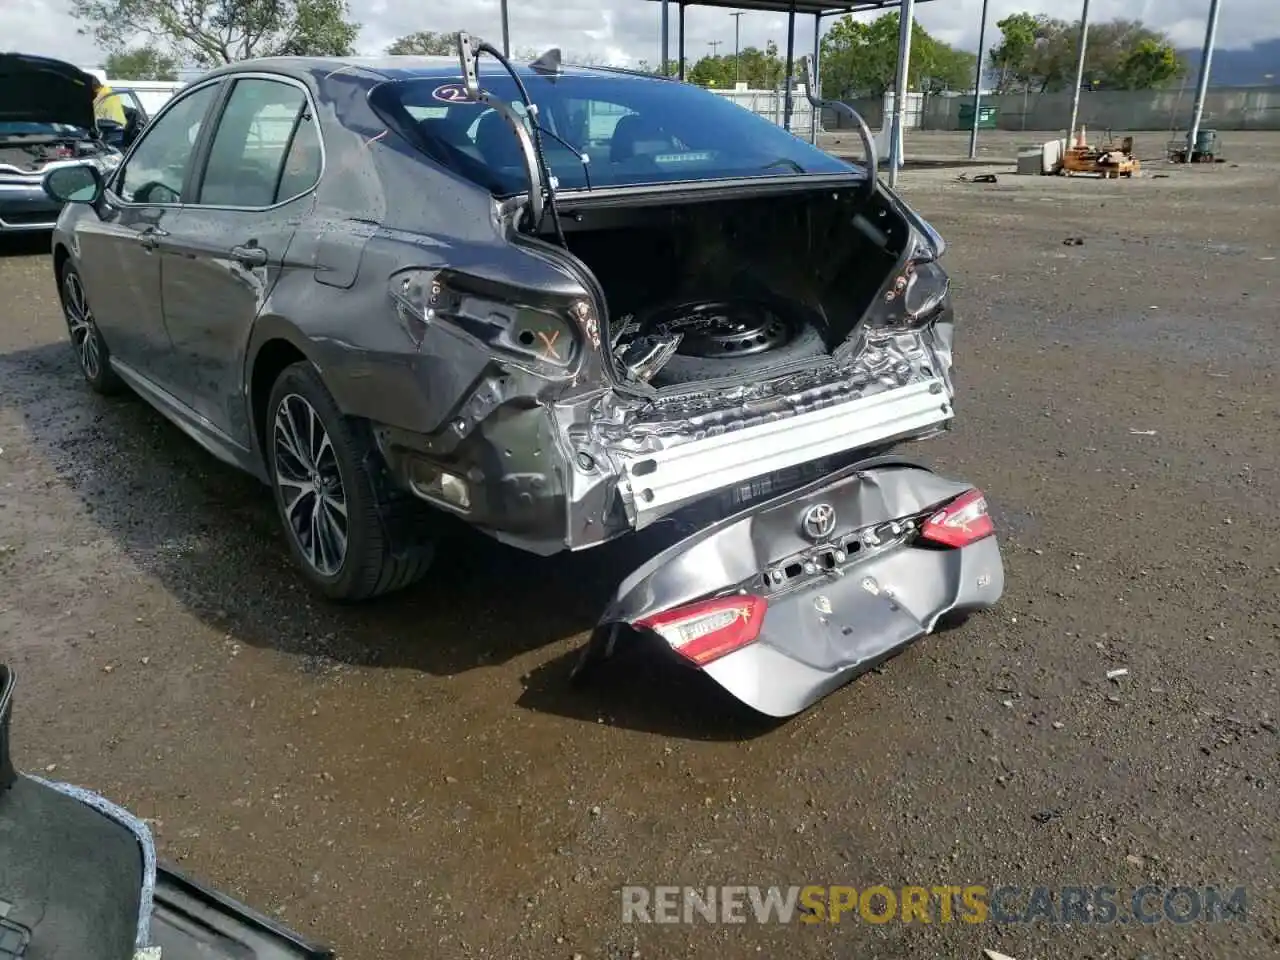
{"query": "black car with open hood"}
(46, 122)
(43, 90)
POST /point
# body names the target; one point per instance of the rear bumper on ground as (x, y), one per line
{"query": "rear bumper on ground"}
(838, 603)
(817, 639)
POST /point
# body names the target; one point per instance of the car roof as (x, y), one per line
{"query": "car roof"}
(407, 68)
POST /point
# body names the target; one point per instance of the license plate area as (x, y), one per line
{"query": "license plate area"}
(823, 561)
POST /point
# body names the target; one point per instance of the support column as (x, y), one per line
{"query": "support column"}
(666, 34)
(1202, 84)
(789, 81)
(815, 88)
(907, 15)
(1075, 97)
(977, 84)
(681, 29)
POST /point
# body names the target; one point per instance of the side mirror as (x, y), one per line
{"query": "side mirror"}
(81, 183)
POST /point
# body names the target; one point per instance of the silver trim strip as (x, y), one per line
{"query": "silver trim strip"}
(115, 174)
(684, 473)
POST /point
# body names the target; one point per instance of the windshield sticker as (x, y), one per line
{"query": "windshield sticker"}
(452, 93)
(681, 157)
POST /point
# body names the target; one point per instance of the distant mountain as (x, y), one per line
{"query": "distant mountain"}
(1240, 68)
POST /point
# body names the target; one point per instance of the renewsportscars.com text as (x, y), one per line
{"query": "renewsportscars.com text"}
(879, 904)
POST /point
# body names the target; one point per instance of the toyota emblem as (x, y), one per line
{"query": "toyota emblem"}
(819, 521)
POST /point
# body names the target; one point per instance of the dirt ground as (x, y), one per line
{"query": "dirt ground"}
(416, 779)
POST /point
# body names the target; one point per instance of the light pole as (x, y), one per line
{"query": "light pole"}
(977, 84)
(1075, 97)
(737, 47)
(906, 24)
(1202, 85)
(713, 44)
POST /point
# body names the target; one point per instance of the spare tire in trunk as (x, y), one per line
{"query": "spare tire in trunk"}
(729, 337)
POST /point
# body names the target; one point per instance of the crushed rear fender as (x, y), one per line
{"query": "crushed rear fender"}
(838, 602)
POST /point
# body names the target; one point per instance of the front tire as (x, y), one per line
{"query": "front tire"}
(92, 355)
(321, 465)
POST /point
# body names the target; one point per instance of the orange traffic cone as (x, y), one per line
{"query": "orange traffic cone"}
(1080, 140)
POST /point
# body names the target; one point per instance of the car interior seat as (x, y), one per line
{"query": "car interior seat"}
(634, 136)
(496, 142)
(450, 132)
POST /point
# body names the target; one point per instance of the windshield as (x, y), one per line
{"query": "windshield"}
(634, 130)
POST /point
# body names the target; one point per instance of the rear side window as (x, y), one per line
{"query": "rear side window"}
(301, 161)
(157, 168)
(265, 150)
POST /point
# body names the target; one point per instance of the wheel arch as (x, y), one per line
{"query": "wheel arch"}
(274, 345)
(61, 254)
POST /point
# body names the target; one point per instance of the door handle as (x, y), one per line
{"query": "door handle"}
(150, 237)
(250, 255)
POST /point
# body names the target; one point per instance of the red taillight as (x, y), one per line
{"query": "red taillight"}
(961, 522)
(709, 629)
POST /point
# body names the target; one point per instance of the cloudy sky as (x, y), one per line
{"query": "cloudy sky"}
(619, 31)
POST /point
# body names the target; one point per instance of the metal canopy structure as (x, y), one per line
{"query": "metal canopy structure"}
(819, 10)
(830, 8)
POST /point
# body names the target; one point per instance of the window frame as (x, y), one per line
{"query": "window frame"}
(196, 149)
(200, 169)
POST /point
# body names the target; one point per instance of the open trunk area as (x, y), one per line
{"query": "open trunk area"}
(712, 289)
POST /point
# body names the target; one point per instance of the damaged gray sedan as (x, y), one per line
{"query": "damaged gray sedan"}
(565, 305)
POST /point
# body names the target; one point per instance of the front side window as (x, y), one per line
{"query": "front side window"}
(157, 168)
(265, 149)
(633, 130)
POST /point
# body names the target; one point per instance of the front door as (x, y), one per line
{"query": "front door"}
(122, 251)
(231, 246)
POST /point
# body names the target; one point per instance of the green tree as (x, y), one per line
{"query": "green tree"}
(861, 59)
(213, 32)
(1013, 56)
(141, 63)
(425, 43)
(1040, 53)
(1148, 64)
(711, 72)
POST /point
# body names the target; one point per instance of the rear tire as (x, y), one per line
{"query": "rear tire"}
(326, 478)
(92, 355)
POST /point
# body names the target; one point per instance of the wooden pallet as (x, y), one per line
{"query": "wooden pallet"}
(1086, 160)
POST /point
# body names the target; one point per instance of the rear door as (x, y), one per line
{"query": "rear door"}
(255, 184)
(122, 250)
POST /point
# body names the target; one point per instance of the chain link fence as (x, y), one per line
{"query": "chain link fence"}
(1226, 108)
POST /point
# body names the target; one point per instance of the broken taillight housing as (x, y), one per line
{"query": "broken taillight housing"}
(961, 522)
(709, 629)
(914, 295)
(927, 286)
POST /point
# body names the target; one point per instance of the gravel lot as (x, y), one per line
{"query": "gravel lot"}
(415, 778)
